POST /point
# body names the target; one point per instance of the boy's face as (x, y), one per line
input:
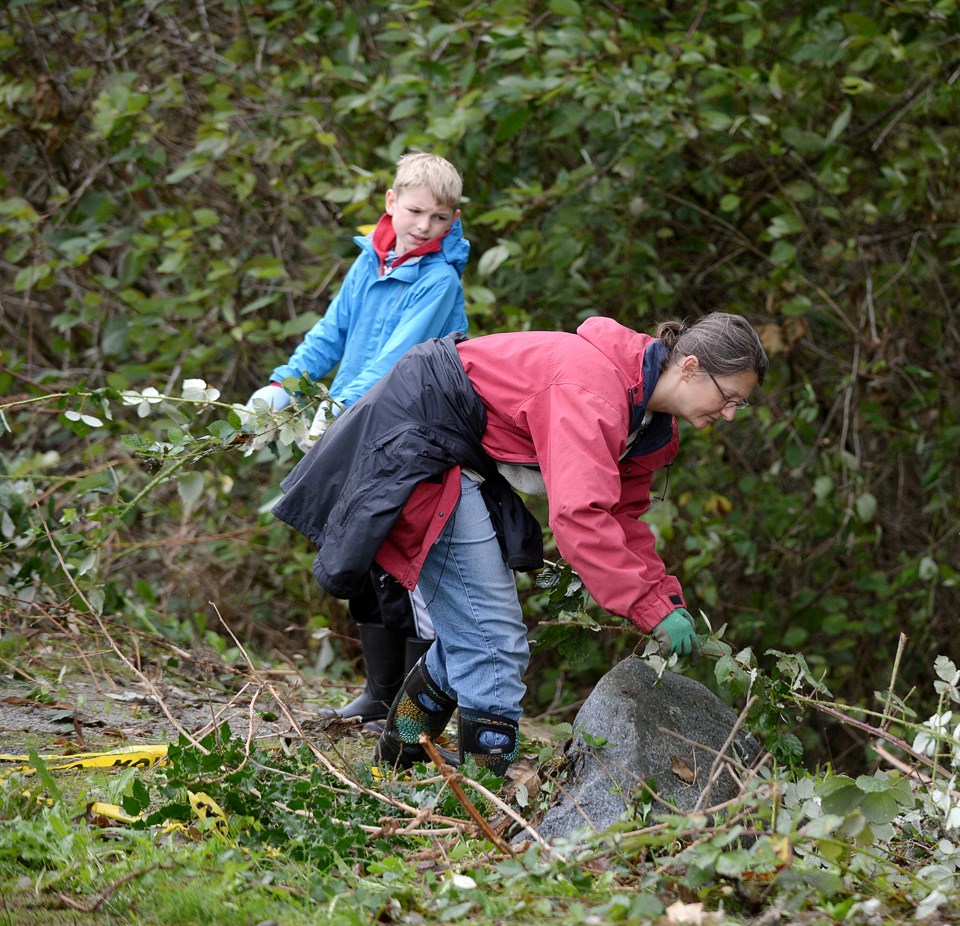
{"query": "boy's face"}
(418, 217)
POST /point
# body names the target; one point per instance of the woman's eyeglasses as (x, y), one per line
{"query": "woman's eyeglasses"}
(728, 402)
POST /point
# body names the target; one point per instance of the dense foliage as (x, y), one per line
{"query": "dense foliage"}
(179, 184)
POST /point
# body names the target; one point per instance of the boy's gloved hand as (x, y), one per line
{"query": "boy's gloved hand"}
(321, 420)
(676, 634)
(275, 396)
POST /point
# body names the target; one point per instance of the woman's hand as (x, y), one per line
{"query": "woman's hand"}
(676, 634)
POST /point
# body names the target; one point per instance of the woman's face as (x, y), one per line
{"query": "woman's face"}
(705, 397)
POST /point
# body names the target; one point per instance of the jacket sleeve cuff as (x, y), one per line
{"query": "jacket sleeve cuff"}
(653, 610)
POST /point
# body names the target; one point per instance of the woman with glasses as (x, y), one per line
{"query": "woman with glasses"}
(422, 474)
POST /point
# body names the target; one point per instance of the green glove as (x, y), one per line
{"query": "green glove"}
(675, 634)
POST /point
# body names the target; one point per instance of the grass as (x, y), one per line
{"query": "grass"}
(307, 835)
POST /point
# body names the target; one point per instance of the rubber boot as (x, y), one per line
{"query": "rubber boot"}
(492, 741)
(384, 663)
(416, 650)
(420, 707)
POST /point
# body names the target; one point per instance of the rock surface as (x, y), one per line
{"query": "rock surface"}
(669, 733)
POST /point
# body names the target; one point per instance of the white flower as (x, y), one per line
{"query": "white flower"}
(943, 800)
(143, 400)
(953, 819)
(930, 904)
(464, 882)
(196, 390)
(88, 420)
(926, 743)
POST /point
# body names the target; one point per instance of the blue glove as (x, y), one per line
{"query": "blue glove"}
(676, 634)
(275, 396)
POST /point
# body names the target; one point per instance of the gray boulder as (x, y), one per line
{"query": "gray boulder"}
(668, 732)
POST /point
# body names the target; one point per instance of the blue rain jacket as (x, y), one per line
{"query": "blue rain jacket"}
(375, 319)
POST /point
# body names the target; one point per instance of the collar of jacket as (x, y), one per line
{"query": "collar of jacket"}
(659, 429)
(653, 359)
(384, 239)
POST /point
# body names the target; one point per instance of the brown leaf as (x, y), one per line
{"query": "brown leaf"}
(524, 773)
(682, 770)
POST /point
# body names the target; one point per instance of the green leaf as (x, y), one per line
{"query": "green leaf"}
(797, 306)
(842, 800)
(264, 267)
(879, 808)
(732, 864)
(854, 86)
(866, 505)
(498, 218)
(29, 277)
(785, 224)
(783, 253)
(492, 258)
(43, 774)
(840, 124)
(223, 431)
(189, 487)
(803, 140)
(205, 218)
(823, 487)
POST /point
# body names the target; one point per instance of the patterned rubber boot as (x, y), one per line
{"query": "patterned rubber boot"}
(419, 707)
(414, 650)
(492, 741)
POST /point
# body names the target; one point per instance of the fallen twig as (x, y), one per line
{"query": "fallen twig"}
(113, 644)
(878, 732)
(510, 812)
(107, 891)
(452, 778)
(722, 756)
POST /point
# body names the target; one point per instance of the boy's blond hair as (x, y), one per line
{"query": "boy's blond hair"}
(435, 173)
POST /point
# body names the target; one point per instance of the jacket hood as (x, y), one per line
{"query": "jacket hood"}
(454, 248)
(637, 355)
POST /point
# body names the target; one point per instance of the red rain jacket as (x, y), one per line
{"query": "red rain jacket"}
(571, 404)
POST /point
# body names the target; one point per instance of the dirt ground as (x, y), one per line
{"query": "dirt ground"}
(59, 695)
(88, 688)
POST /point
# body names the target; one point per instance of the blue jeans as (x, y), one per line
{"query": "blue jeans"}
(480, 652)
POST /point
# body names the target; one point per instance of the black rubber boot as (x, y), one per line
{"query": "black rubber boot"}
(420, 707)
(416, 650)
(492, 741)
(384, 662)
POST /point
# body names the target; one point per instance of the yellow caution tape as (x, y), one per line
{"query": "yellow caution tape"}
(389, 773)
(128, 757)
(110, 811)
(206, 808)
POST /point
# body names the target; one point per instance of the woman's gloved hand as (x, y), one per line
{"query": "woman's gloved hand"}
(676, 634)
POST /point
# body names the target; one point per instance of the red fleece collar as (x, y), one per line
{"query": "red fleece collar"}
(384, 239)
